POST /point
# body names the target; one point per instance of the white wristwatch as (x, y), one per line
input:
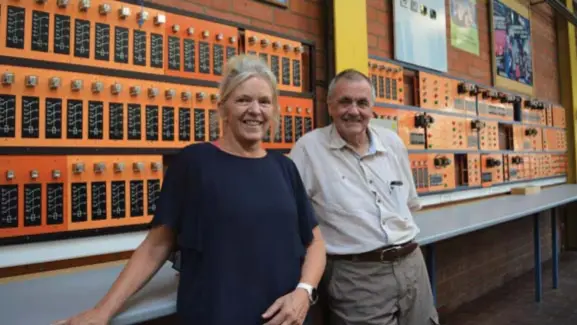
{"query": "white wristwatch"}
(312, 291)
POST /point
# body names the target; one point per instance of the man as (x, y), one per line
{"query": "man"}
(360, 183)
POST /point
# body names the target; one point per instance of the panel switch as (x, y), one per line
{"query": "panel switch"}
(8, 78)
(83, 5)
(62, 3)
(104, 9)
(78, 168)
(31, 81)
(54, 82)
(124, 12)
(10, 175)
(160, 19)
(76, 85)
(156, 166)
(118, 167)
(34, 174)
(99, 167)
(97, 87)
(170, 93)
(137, 167)
(186, 95)
(152, 92)
(134, 91)
(115, 88)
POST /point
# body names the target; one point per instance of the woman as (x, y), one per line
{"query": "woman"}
(251, 249)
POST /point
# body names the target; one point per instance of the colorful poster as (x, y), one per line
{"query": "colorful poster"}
(512, 44)
(464, 29)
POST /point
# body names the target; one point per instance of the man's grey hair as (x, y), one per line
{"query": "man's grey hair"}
(353, 75)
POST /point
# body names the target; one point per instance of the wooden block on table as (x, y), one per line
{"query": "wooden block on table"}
(527, 190)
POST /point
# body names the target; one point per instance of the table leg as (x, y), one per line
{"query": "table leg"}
(537, 254)
(431, 270)
(555, 248)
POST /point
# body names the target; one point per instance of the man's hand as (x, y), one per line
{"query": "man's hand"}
(290, 309)
(89, 317)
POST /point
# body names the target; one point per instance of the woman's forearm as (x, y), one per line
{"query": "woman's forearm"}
(144, 263)
(315, 260)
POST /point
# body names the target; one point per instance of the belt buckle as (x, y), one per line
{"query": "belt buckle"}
(392, 248)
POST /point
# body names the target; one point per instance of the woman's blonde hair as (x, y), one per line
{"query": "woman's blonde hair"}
(239, 69)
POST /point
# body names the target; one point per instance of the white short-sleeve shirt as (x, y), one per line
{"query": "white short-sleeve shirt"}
(362, 202)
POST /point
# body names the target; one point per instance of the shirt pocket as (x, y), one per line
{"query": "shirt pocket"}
(338, 194)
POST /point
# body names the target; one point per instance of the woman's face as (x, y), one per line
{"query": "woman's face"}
(249, 110)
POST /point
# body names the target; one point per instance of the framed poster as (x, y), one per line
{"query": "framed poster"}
(420, 28)
(512, 50)
(464, 29)
(280, 3)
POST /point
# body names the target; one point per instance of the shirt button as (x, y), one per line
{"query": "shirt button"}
(379, 201)
(370, 181)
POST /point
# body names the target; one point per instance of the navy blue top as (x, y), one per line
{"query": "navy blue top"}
(243, 225)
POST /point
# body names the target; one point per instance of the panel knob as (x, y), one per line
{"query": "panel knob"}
(134, 91)
(99, 167)
(214, 97)
(152, 92)
(10, 175)
(124, 12)
(276, 45)
(97, 87)
(83, 5)
(200, 96)
(190, 31)
(175, 28)
(232, 40)
(118, 167)
(77, 84)
(264, 42)
(41, 1)
(156, 166)
(205, 34)
(142, 15)
(137, 167)
(115, 88)
(219, 37)
(31, 81)
(56, 173)
(299, 49)
(160, 19)
(8, 78)
(104, 9)
(186, 95)
(62, 3)
(170, 93)
(299, 110)
(78, 168)
(288, 47)
(252, 40)
(54, 82)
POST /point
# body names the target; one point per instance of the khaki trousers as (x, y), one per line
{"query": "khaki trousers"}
(379, 293)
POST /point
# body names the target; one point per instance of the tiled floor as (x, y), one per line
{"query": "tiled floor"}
(514, 304)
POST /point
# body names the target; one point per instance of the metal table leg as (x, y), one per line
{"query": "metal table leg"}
(555, 248)
(537, 253)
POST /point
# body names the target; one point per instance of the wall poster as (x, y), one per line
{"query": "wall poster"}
(464, 28)
(512, 49)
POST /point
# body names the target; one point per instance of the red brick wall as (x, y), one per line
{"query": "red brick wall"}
(305, 19)
(472, 265)
(470, 66)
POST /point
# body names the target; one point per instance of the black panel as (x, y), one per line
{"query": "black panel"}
(116, 121)
(213, 125)
(30, 117)
(74, 119)
(134, 122)
(55, 204)
(78, 202)
(61, 34)
(204, 54)
(167, 123)
(153, 191)
(381, 89)
(95, 120)
(189, 55)
(118, 206)
(308, 124)
(275, 66)
(151, 123)
(40, 31)
(286, 71)
(174, 53)
(139, 48)
(7, 116)
(98, 194)
(199, 124)
(136, 198)
(278, 133)
(296, 73)
(218, 59)
(184, 124)
(8, 206)
(288, 129)
(230, 52)
(82, 38)
(156, 50)
(394, 89)
(298, 127)
(388, 88)
(102, 42)
(15, 23)
(53, 122)
(121, 43)
(32, 205)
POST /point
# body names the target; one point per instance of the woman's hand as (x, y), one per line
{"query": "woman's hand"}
(290, 309)
(92, 316)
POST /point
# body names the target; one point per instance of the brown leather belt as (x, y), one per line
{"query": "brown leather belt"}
(385, 254)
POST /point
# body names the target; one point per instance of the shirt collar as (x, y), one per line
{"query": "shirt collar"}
(375, 145)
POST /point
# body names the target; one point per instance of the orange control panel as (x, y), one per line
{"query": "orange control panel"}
(296, 119)
(518, 167)
(554, 139)
(557, 165)
(449, 132)
(47, 108)
(285, 58)
(196, 48)
(534, 112)
(488, 134)
(558, 116)
(496, 105)
(464, 97)
(387, 80)
(435, 92)
(412, 128)
(491, 169)
(48, 194)
(473, 169)
(433, 172)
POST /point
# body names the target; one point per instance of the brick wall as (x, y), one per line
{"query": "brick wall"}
(305, 19)
(474, 264)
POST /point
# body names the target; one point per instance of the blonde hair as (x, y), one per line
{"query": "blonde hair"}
(239, 69)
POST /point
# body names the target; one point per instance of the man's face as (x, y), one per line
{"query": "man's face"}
(351, 107)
